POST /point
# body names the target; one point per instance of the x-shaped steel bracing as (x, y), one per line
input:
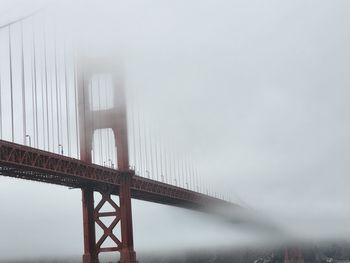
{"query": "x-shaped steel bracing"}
(107, 230)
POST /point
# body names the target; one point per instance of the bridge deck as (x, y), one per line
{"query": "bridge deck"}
(28, 163)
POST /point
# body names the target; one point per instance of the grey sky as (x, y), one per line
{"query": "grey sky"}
(257, 92)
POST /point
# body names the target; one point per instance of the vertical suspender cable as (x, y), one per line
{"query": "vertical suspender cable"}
(96, 82)
(0, 111)
(23, 88)
(52, 114)
(188, 174)
(33, 105)
(195, 178)
(156, 154)
(11, 86)
(172, 167)
(43, 103)
(57, 95)
(195, 184)
(178, 171)
(200, 185)
(103, 133)
(165, 164)
(60, 127)
(172, 178)
(99, 122)
(198, 180)
(82, 99)
(46, 90)
(183, 174)
(151, 153)
(42, 110)
(109, 155)
(174, 170)
(106, 139)
(140, 143)
(161, 161)
(191, 174)
(188, 185)
(76, 108)
(93, 156)
(35, 100)
(134, 136)
(146, 154)
(67, 97)
(109, 149)
(52, 91)
(188, 179)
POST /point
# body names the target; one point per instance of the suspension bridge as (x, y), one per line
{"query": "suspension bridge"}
(65, 120)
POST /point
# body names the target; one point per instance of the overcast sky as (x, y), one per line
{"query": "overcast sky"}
(257, 92)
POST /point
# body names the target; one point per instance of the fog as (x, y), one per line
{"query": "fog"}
(256, 92)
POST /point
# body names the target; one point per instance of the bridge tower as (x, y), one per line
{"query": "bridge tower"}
(293, 255)
(115, 119)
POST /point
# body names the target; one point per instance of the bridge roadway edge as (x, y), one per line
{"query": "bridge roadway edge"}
(24, 162)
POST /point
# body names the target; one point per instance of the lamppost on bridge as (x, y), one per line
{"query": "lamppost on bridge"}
(60, 149)
(29, 140)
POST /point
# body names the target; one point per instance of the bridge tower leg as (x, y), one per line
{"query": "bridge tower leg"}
(114, 118)
(127, 253)
(293, 255)
(90, 254)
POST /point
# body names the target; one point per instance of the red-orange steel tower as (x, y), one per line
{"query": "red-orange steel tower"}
(293, 255)
(114, 118)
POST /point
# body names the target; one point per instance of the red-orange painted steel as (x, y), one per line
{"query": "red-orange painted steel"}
(293, 255)
(90, 254)
(114, 118)
(24, 162)
(107, 230)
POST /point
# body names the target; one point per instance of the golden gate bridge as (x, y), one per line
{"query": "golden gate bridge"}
(65, 120)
